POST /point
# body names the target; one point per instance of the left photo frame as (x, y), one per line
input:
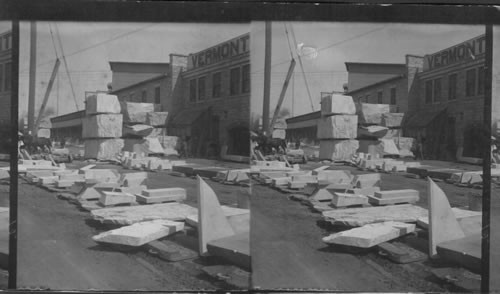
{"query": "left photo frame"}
(6, 146)
(134, 145)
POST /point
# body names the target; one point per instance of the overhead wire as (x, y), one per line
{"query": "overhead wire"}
(302, 69)
(99, 43)
(66, 67)
(332, 45)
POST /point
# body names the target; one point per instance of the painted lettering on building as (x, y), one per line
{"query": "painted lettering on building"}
(221, 52)
(469, 50)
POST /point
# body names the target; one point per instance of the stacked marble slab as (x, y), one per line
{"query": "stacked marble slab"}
(337, 128)
(143, 126)
(378, 128)
(102, 127)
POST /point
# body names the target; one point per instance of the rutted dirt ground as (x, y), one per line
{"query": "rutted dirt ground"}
(288, 253)
(56, 250)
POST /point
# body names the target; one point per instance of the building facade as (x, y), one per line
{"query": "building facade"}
(5, 76)
(381, 83)
(448, 111)
(213, 112)
(5, 88)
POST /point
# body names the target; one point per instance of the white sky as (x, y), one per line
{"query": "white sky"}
(346, 42)
(89, 69)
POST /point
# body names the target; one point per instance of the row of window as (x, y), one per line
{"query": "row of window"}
(132, 97)
(239, 83)
(6, 42)
(474, 85)
(380, 97)
(5, 75)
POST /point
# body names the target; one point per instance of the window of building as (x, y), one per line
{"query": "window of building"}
(470, 82)
(7, 41)
(216, 84)
(393, 96)
(428, 92)
(234, 81)
(452, 87)
(367, 98)
(245, 85)
(132, 97)
(125, 98)
(201, 88)
(480, 80)
(144, 96)
(157, 95)
(192, 90)
(380, 97)
(7, 76)
(437, 90)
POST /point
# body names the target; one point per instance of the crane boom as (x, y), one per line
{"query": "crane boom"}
(282, 95)
(47, 94)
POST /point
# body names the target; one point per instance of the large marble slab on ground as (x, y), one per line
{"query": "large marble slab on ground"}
(333, 176)
(133, 179)
(347, 199)
(102, 103)
(337, 104)
(465, 252)
(101, 175)
(109, 198)
(102, 126)
(337, 150)
(459, 213)
(102, 149)
(238, 218)
(370, 235)
(362, 216)
(337, 127)
(134, 214)
(235, 249)
(141, 233)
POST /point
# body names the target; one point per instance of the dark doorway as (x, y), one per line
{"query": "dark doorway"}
(239, 141)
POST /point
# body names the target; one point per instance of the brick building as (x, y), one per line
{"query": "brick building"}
(384, 83)
(5, 88)
(447, 108)
(5, 76)
(214, 108)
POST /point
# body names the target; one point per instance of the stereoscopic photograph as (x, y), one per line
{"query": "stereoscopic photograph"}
(351, 155)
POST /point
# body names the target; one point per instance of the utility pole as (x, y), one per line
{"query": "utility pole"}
(32, 82)
(267, 77)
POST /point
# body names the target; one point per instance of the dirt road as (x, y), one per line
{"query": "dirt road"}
(56, 250)
(287, 251)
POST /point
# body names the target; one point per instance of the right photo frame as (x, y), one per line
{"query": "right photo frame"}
(371, 147)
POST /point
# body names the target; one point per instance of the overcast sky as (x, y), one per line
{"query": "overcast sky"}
(339, 43)
(89, 67)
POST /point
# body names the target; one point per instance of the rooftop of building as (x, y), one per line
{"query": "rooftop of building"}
(355, 66)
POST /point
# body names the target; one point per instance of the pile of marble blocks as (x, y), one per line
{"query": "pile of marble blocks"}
(337, 128)
(142, 127)
(102, 127)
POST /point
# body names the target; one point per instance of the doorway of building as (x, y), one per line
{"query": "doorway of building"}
(239, 141)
